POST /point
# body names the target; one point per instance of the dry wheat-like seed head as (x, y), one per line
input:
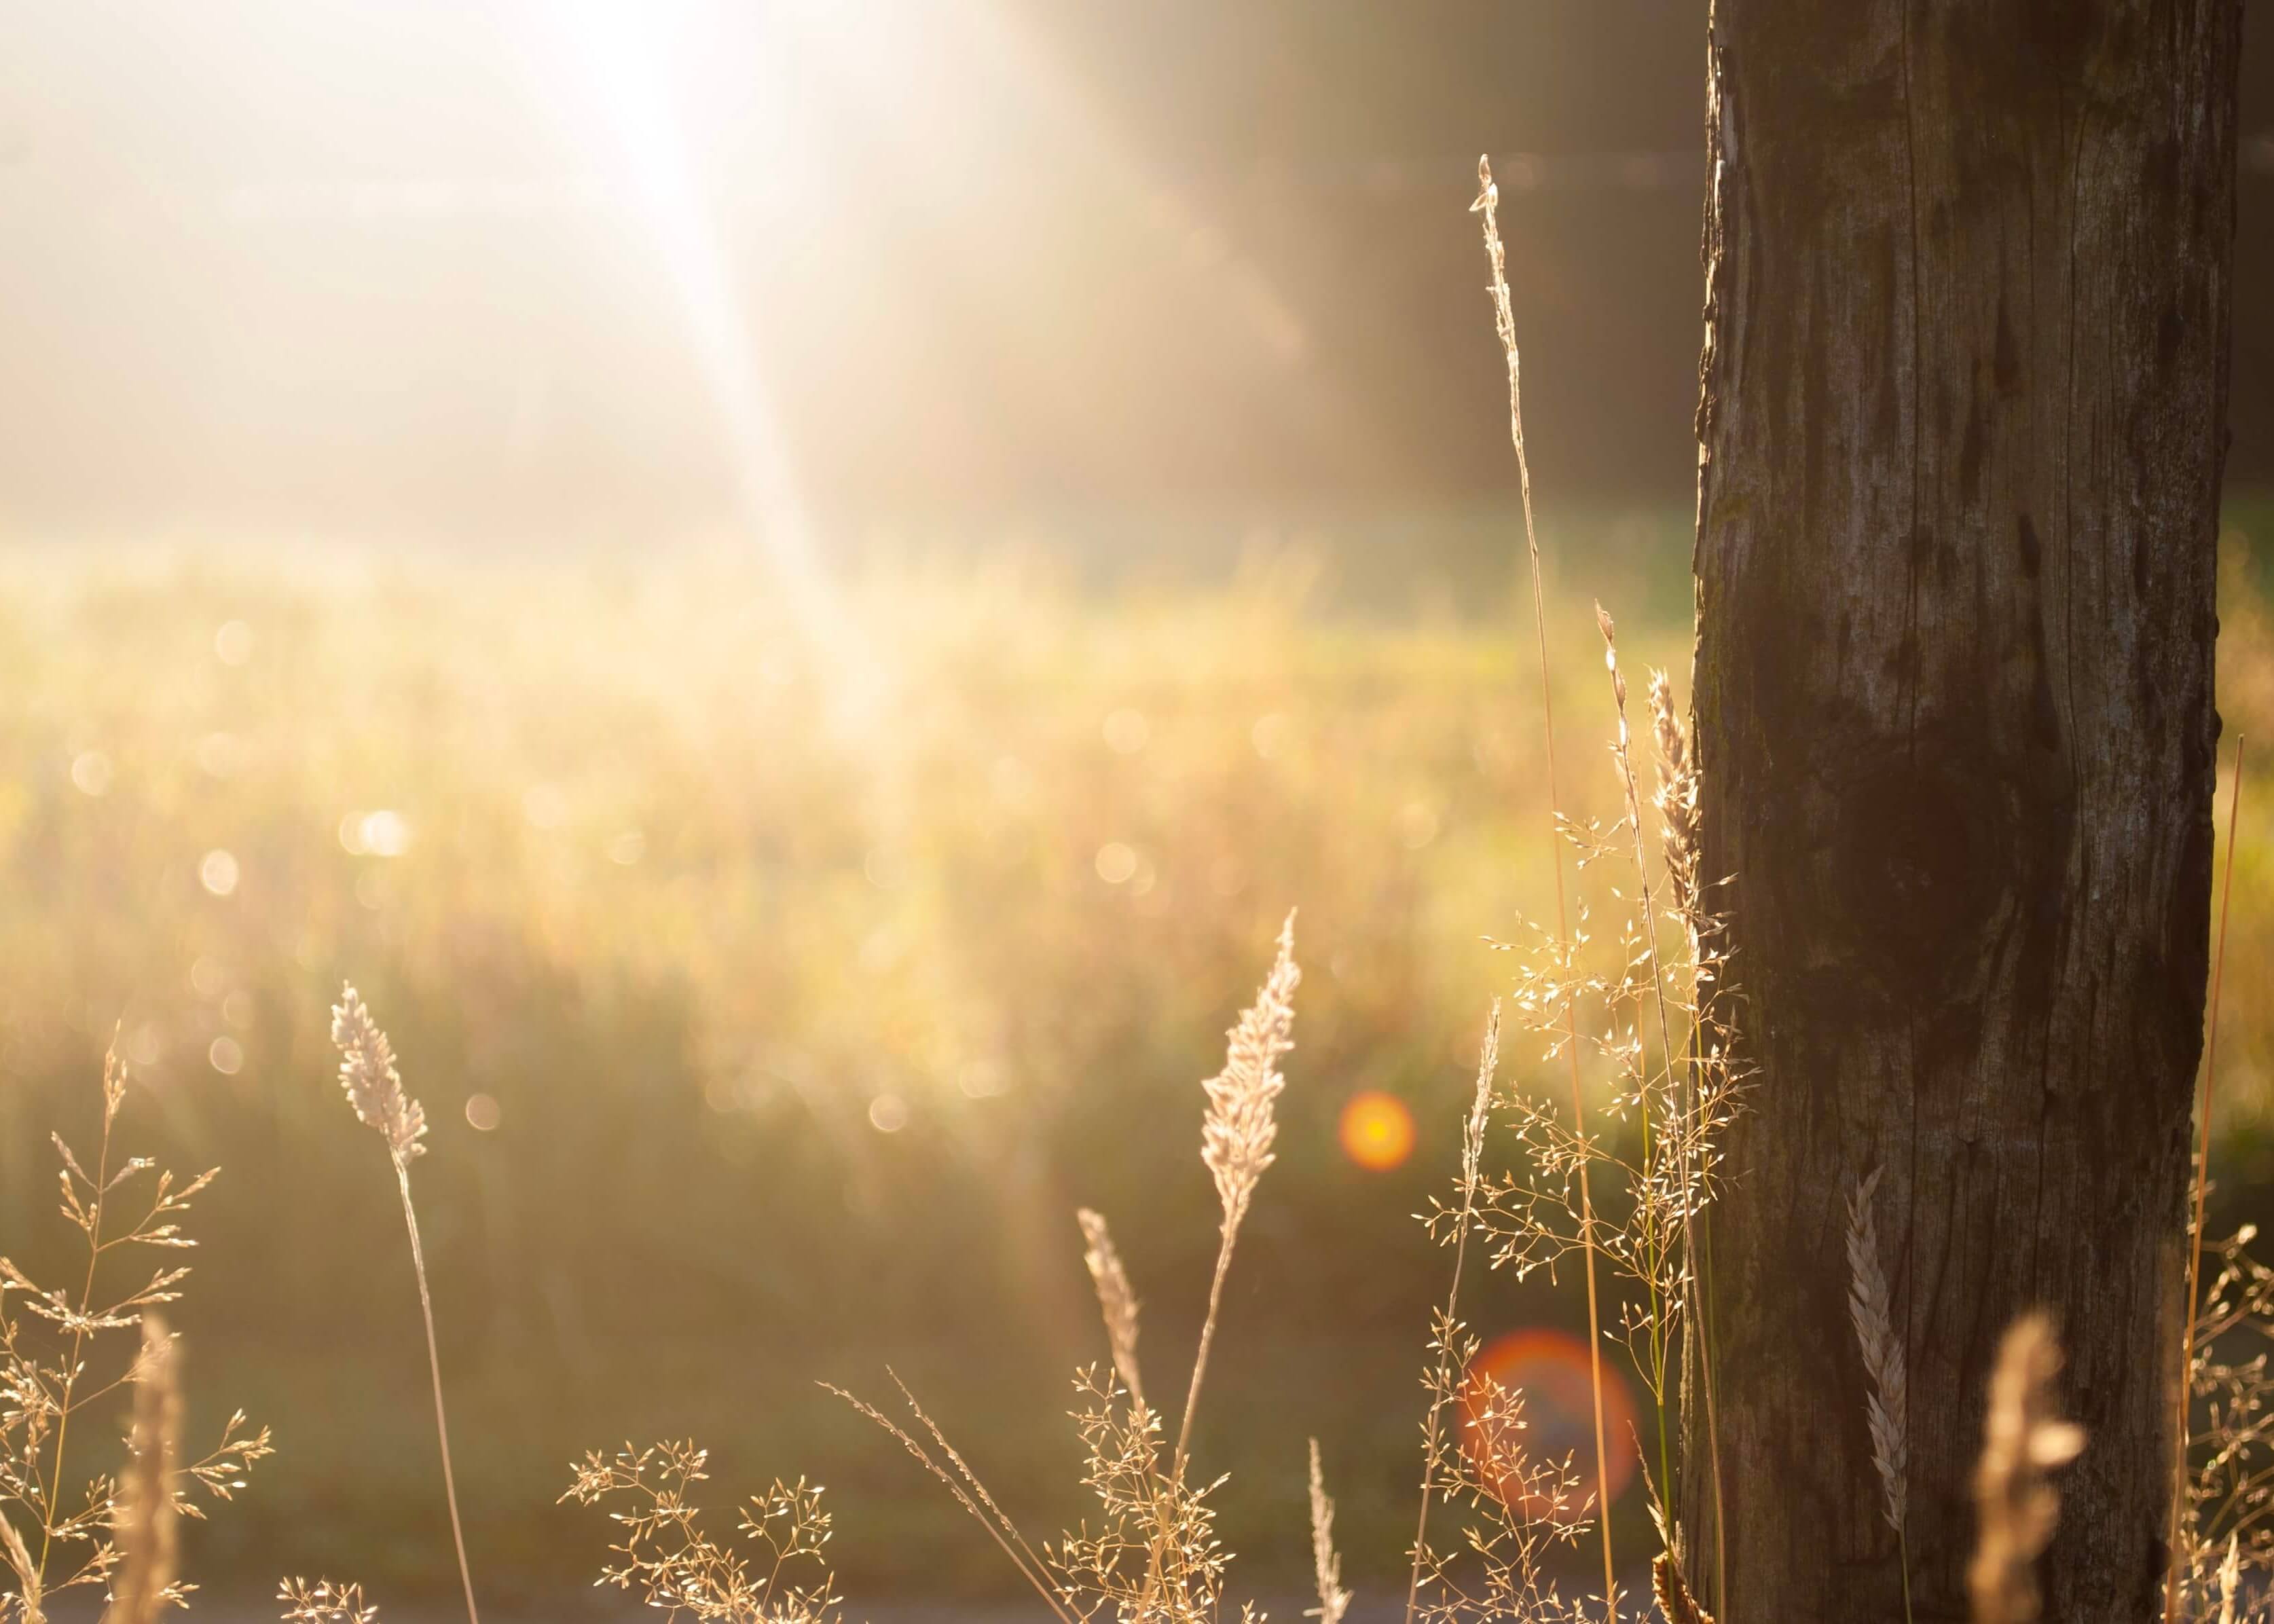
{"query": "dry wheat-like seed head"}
(1677, 792)
(368, 1077)
(1115, 1298)
(28, 1593)
(1326, 1562)
(1235, 1139)
(1870, 1307)
(2021, 1441)
(1673, 1597)
(143, 1520)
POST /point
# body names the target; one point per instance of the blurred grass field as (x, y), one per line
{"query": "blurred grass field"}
(777, 992)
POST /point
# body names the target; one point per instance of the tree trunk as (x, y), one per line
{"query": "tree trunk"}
(1963, 415)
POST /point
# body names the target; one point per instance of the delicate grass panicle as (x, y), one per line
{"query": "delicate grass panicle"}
(324, 1603)
(374, 1088)
(2015, 1500)
(63, 1351)
(664, 1556)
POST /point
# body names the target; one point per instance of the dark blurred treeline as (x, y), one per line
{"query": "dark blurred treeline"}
(385, 269)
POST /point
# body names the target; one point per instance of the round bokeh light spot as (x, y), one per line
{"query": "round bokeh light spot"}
(1377, 1131)
(1525, 1404)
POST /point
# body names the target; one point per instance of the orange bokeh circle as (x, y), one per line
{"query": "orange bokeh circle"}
(1377, 1131)
(1546, 1372)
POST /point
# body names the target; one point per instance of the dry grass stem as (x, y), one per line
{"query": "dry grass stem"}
(1326, 1562)
(1005, 1536)
(374, 1088)
(2180, 1477)
(1116, 1300)
(1487, 204)
(145, 1521)
(2017, 1505)
(1443, 1382)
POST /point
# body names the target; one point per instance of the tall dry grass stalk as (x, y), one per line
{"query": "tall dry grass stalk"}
(145, 1519)
(1236, 1136)
(1870, 1309)
(2181, 1476)
(1706, 1078)
(374, 1088)
(2016, 1503)
(1487, 204)
(1443, 1381)
(1326, 1562)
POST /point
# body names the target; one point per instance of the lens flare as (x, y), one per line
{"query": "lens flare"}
(1546, 1372)
(1377, 1131)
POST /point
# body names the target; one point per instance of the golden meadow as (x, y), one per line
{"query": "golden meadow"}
(777, 992)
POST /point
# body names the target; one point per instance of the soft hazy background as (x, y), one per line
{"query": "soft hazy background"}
(794, 590)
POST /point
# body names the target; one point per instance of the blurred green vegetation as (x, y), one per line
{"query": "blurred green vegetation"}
(808, 977)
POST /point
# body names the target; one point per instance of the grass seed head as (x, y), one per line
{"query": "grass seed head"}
(368, 1077)
(1235, 1139)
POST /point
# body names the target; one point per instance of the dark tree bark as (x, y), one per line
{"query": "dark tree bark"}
(1963, 415)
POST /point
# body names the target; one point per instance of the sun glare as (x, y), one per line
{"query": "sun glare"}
(1377, 1131)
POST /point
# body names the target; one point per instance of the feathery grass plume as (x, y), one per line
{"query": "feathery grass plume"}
(1870, 1309)
(1236, 1137)
(678, 1568)
(24, 1601)
(2230, 1581)
(1518, 1514)
(1676, 797)
(1487, 204)
(2180, 1477)
(1326, 1562)
(2017, 1506)
(1673, 1597)
(143, 1522)
(374, 1088)
(59, 1353)
(1115, 1299)
(324, 1603)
